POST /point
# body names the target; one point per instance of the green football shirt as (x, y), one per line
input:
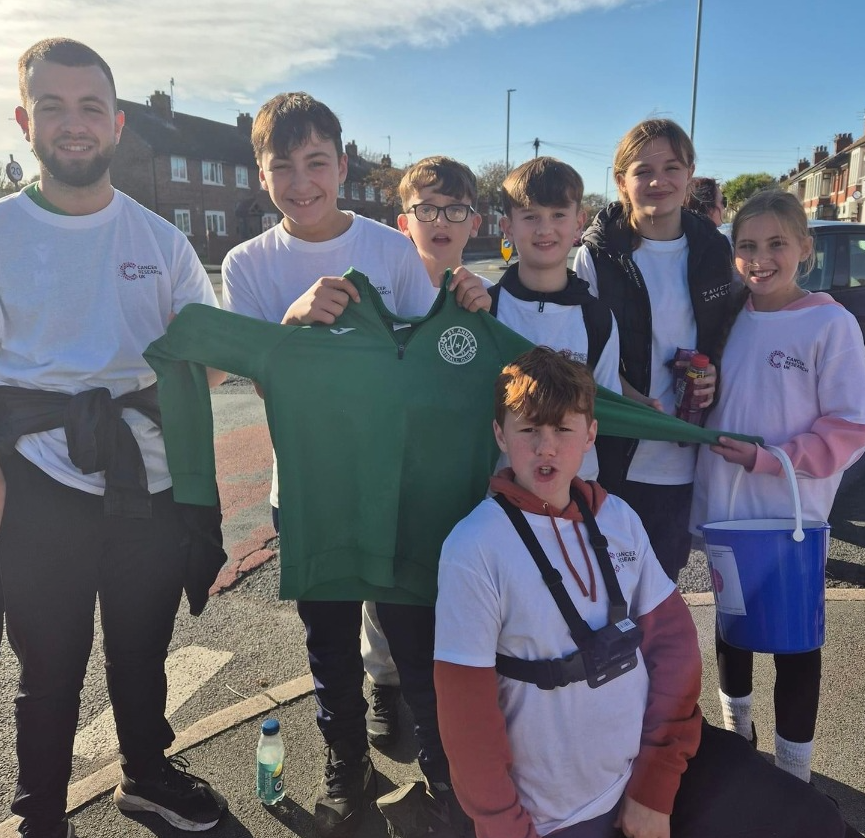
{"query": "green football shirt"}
(382, 428)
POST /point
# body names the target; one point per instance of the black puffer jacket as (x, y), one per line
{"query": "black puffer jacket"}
(621, 286)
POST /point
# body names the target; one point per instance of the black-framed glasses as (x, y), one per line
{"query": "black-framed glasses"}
(455, 213)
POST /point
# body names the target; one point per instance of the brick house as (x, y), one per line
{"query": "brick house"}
(831, 185)
(201, 175)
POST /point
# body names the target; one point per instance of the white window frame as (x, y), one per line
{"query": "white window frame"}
(211, 172)
(369, 193)
(342, 190)
(179, 171)
(241, 177)
(268, 220)
(183, 221)
(355, 191)
(214, 222)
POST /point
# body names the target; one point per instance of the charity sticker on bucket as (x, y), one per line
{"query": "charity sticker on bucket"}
(725, 580)
(768, 576)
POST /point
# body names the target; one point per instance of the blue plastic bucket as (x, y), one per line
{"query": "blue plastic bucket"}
(768, 578)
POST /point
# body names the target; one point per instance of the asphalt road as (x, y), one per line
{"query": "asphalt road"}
(247, 642)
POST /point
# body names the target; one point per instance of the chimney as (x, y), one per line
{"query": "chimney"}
(351, 148)
(244, 124)
(820, 154)
(161, 104)
(804, 163)
(842, 141)
(386, 161)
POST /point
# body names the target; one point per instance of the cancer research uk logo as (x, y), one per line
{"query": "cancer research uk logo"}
(130, 271)
(458, 345)
(780, 360)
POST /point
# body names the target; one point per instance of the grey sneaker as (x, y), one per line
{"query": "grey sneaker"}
(348, 779)
(382, 718)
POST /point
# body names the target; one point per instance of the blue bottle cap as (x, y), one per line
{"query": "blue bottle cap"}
(270, 727)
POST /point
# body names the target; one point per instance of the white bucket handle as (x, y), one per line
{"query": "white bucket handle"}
(798, 533)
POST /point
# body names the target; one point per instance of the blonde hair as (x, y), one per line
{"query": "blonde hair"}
(789, 212)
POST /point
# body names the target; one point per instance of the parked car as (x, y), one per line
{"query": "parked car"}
(839, 264)
(839, 267)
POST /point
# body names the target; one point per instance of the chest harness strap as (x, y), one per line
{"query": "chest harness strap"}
(603, 654)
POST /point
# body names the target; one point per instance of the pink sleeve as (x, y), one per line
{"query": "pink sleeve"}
(672, 721)
(475, 740)
(827, 448)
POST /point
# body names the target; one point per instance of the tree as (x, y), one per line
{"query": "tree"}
(490, 177)
(7, 187)
(386, 179)
(593, 203)
(742, 187)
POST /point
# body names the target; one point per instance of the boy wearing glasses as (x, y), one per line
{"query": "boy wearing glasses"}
(292, 274)
(438, 197)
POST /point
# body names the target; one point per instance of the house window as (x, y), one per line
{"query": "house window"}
(370, 193)
(183, 220)
(211, 172)
(355, 191)
(178, 168)
(241, 176)
(215, 222)
(268, 220)
(342, 190)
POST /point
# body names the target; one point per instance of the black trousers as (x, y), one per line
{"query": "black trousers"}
(664, 512)
(333, 646)
(730, 791)
(797, 686)
(58, 552)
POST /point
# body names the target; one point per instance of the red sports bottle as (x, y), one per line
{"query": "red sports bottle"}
(687, 405)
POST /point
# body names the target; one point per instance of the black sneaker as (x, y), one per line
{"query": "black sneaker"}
(348, 779)
(382, 718)
(185, 801)
(413, 811)
(461, 824)
(64, 829)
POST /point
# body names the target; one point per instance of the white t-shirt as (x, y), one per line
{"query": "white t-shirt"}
(664, 267)
(82, 297)
(262, 277)
(783, 370)
(573, 746)
(562, 327)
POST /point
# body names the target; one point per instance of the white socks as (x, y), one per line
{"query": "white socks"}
(794, 757)
(736, 713)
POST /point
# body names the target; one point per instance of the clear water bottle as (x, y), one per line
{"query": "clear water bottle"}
(269, 757)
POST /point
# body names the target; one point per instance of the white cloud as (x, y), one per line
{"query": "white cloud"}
(228, 53)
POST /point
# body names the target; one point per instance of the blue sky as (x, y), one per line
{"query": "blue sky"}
(776, 77)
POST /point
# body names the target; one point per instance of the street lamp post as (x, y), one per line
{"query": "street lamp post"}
(508, 131)
(696, 67)
(607, 186)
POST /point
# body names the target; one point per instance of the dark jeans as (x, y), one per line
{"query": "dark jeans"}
(665, 512)
(333, 645)
(797, 686)
(58, 552)
(730, 791)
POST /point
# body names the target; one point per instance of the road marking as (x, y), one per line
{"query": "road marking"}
(187, 670)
